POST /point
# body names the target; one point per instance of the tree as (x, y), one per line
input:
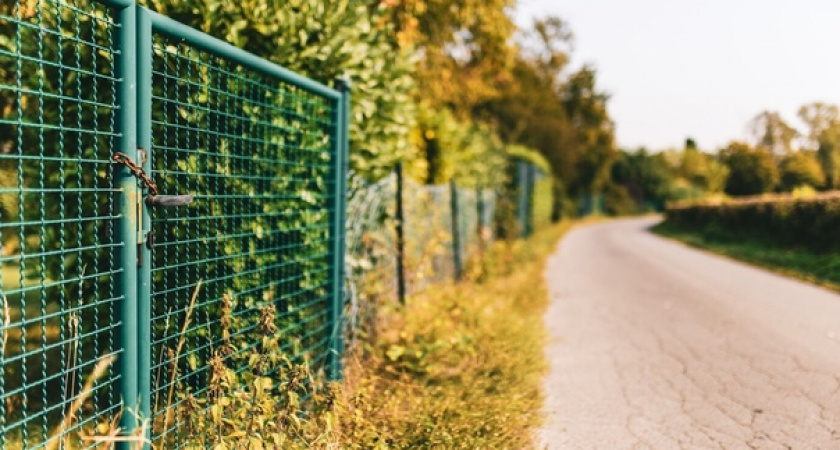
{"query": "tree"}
(819, 117)
(751, 170)
(772, 132)
(702, 170)
(586, 110)
(463, 48)
(828, 154)
(801, 169)
(553, 39)
(529, 112)
(646, 177)
(690, 144)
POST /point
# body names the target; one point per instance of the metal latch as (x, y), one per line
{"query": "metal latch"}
(168, 201)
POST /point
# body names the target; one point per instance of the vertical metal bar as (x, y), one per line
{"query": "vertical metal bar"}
(127, 209)
(480, 225)
(144, 277)
(530, 180)
(400, 235)
(341, 133)
(521, 205)
(457, 259)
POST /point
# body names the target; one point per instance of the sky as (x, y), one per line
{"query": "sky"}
(701, 68)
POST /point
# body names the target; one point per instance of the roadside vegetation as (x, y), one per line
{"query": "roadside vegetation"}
(460, 366)
(800, 158)
(792, 235)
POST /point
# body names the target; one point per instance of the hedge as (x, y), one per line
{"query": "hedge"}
(812, 223)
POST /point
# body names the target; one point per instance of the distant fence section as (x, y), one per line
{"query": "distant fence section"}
(162, 196)
(403, 236)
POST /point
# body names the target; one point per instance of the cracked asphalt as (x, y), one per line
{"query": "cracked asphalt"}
(654, 345)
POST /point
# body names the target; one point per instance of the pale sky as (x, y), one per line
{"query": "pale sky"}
(702, 68)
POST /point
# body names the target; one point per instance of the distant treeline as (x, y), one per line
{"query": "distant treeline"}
(779, 158)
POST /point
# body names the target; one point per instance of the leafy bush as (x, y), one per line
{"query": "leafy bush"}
(801, 168)
(787, 220)
(751, 170)
(325, 40)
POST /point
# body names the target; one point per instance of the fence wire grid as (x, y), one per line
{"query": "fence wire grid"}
(429, 252)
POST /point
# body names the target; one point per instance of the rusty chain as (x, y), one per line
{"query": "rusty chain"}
(137, 171)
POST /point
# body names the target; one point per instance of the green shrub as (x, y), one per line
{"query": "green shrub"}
(325, 40)
(801, 168)
(786, 220)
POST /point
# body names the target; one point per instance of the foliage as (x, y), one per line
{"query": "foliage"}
(800, 168)
(543, 201)
(818, 117)
(772, 133)
(644, 177)
(751, 170)
(532, 156)
(828, 154)
(272, 403)
(586, 109)
(463, 48)
(796, 222)
(618, 202)
(468, 151)
(702, 170)
(566, 120)
(325, 40)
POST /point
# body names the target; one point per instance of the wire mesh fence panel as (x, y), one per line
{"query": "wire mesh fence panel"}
(475, 210)
(371, 257)
(371, 240)
(468, 222)
(542, 200)
(489, 199)
(57, 265)
(428, 236)
(258, 155)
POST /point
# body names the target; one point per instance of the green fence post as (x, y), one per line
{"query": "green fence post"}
(530, 182)
(457, 259)
(521, 197)
(400, 235)
(144, 278)
(342, 144)
(127, 226)
(479, 206)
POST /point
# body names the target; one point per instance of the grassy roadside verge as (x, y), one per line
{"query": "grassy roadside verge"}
(461, 366)
(819, 268)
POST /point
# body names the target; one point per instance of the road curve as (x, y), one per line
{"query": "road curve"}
(657, 345)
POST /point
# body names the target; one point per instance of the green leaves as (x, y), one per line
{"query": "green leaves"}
(325, 40)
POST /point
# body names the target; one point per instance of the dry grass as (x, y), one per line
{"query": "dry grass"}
(461, 366)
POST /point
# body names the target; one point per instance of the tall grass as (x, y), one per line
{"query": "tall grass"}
(461, 366)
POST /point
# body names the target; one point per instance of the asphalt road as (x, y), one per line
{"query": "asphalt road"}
(657, 345)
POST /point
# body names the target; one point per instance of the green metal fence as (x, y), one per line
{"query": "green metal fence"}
(533, 191)
(122, 280)
(376, 226)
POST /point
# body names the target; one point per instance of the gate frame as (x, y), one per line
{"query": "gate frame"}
(133, 62)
